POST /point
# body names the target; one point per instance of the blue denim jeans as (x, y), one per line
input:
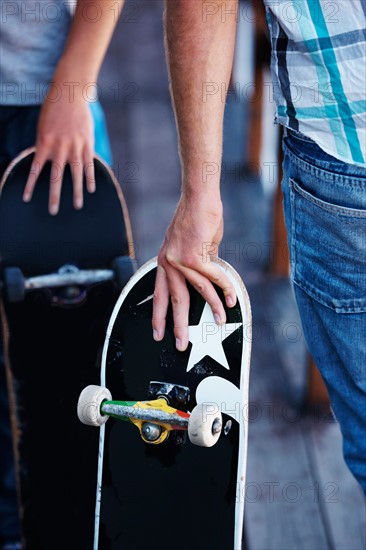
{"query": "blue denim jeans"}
(18, 127)
(325, 213)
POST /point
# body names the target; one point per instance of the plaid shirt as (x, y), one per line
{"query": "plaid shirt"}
(319, 72)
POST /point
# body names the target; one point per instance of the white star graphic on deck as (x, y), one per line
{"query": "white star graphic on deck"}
(207, 338)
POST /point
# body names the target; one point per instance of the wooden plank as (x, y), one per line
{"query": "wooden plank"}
(341, 499)
(285, 515)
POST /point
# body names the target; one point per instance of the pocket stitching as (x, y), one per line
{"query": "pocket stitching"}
(334, 209)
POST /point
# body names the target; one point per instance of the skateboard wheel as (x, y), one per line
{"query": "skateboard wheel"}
(204, 426)
(124, 267)
(14, 284)
(90, 401)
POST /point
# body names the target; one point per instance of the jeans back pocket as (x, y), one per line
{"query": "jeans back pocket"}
(328, 250)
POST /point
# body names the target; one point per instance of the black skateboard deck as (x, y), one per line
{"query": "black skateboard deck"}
(61, 277)
(174, 494)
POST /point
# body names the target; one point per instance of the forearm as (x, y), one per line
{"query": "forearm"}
(88, 40)
(200, 41)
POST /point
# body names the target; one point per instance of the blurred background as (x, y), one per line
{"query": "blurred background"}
(299, 494)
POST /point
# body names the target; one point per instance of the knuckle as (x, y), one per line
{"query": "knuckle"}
(88, 162)
(217, 279)
(171, 259)
(161, 256)
(46, 139)
(158, 295)
(192, 263)
(176, 300)
(56, 175)
(227, 289)
(88, 148)
(89, 169)
(200, 287)
(88, 153)
(75, 160)
(61, 141)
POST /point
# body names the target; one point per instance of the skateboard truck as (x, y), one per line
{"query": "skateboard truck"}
(69, 284)
(177, 396)
(155, 419)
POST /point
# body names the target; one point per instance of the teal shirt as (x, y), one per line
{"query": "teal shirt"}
(319, 72)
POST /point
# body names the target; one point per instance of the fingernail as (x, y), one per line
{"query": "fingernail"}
(178, 344)
(229, 301)
(26, 197)
(217, 318)
(156, 335)
(78, 203)
(53, 210)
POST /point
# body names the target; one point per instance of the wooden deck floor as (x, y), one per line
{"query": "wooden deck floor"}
(300, 494)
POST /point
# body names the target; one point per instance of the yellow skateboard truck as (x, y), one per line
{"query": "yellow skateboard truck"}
(155, 419)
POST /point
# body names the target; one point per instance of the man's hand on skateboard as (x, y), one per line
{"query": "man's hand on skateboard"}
(65, 136)
(191, 240)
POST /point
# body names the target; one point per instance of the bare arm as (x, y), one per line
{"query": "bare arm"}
(65, 129)
(200, 40)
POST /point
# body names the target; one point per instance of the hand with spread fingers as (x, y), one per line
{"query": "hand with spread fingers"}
(65, 136)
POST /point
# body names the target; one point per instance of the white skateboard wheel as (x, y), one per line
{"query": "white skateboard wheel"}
(90, 401)
(204, 426)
